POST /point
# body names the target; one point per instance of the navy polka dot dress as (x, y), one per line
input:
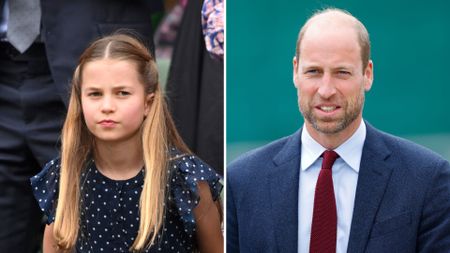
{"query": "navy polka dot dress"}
(110, 208)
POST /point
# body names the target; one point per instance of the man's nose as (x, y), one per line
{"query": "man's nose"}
(327, 87)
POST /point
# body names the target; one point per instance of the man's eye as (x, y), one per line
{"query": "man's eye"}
(312, 71)
(343, 72)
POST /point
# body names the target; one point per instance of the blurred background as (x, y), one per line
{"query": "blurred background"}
(410, 52)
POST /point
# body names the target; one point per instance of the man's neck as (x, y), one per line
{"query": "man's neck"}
(332, 141)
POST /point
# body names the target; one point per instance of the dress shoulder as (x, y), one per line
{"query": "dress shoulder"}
(187, 171)
(45, 188)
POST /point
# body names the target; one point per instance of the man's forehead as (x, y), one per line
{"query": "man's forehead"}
(331, 30)
(330, 47)
(330, 39)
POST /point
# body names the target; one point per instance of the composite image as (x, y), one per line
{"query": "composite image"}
(219, 126)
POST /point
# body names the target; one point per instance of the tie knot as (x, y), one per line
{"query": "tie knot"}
(329, 157)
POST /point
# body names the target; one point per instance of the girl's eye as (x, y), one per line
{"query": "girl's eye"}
(94, 94)
(123, 93)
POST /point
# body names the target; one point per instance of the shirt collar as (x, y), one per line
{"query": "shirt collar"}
(350, 151)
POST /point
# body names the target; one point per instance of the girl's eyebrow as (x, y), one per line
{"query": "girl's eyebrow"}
(94, 87)
(119, 87)
(91, 88)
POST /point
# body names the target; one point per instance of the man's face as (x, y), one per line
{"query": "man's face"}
(330, 81)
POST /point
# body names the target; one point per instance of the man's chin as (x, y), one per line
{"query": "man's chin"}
(327, 127)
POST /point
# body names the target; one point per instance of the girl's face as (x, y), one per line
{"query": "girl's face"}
(113, 100)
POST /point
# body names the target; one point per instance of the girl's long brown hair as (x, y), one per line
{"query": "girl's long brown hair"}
(158, 134)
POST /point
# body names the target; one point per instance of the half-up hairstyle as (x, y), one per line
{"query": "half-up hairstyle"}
(158, 135)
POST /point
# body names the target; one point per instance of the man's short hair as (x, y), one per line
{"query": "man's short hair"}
(363, 35)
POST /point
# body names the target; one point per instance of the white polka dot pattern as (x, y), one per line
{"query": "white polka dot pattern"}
(110, 208)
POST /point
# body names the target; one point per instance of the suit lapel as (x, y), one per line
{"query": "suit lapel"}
(374, 175)
(283, 182)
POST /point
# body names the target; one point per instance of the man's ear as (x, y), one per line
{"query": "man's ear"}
(368, 76)
(294, 71)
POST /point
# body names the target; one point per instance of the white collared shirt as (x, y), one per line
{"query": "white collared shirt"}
(345, 177)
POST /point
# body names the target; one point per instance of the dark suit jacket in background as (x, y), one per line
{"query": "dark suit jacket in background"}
(195, 90)
(402, 201)
(68, 27)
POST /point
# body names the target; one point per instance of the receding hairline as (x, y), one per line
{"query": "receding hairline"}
(342, 15)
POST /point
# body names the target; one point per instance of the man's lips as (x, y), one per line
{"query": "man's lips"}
(327, 108)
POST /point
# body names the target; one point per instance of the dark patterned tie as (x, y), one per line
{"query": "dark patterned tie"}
(324, 222)
(24, 23)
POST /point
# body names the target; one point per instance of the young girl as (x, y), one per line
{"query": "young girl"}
(125, 180)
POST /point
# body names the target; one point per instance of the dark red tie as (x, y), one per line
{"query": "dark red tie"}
(324, 222)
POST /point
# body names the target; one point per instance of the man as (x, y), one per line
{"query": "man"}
(337, 184)
(34, 78)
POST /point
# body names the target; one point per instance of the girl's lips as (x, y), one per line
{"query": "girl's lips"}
(107, 123)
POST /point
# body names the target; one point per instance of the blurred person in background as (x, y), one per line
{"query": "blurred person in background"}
(195, 81)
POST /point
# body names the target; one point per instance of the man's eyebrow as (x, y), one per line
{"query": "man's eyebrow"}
(344, 67)
(310, 65)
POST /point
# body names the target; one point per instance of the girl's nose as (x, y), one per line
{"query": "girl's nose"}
(108, 104)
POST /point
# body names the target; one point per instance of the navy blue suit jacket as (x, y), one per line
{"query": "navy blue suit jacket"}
(402, 201)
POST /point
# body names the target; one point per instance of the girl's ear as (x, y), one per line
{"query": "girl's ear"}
(148, 103)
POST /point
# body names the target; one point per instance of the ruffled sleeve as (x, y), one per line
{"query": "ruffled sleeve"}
(45, 188)
(187, 172)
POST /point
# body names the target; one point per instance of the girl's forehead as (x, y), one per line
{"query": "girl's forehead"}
(110, 73)
(111, 63)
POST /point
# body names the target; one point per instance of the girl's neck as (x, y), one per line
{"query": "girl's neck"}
(118, 161)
